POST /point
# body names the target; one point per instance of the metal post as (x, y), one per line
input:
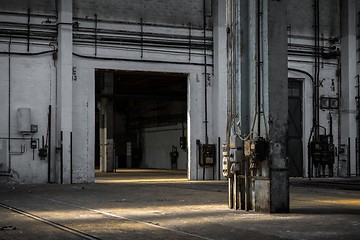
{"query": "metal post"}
(236, 192)
(219, 158)
(205, 75)
(231, 192)
(49, 145)
(348, 160)
(71, 159)
(61, 158)
(357, 157)
(247, 197)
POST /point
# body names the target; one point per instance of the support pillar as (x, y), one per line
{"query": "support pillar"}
(64, 91)
(260, 93)
(106, 126)
(276, 101)
(348, 86)
(220, 72)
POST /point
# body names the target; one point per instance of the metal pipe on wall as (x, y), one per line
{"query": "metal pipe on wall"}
(9, 106)
(205, 75)
(259, 63)
(348, 158)
(49, 145)
(61, 158)
(71, 158)
(357, 99)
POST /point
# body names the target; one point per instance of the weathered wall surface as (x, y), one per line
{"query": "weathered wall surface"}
(161, 44)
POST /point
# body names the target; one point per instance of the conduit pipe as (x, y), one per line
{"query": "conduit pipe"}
(9, 106)
(136, 60)
(205, 76)
(259, 66)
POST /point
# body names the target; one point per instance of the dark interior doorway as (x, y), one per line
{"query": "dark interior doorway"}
(295, 127)
(133, 107)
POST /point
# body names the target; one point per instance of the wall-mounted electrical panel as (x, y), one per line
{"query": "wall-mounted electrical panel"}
(208, 155)
(323, 151)
(226, 161)
(256, 149)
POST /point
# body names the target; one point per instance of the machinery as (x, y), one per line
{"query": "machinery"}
(242, 161)
(322, 155)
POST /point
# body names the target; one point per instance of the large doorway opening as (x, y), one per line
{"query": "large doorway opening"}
(295, 127)
(140, 118)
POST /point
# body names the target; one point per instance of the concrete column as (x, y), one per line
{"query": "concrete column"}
(106, 126)
(102, 135)
(276, 100)
(348, 83)
(268, 187)
(64, 89)
(220, 72)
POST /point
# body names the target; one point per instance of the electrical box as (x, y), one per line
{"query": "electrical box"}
(226, 161)
(256, 148)
(236, 154)
(34, 128)
(33, 144)
(208, 155)
(323, 151)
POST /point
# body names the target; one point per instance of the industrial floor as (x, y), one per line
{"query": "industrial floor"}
(159, 204)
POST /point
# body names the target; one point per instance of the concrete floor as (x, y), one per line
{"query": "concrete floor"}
(156, 204)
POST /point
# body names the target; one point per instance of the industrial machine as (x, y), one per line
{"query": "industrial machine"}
(242, 161)
(322, 155)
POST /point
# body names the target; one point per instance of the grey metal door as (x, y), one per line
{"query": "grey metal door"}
(295, 128)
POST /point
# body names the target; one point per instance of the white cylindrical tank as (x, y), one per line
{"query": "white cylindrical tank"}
(24, 120)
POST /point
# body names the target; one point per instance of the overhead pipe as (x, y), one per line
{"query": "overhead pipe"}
(137, 60)
(28, 54)
(135, 23)
(28, 31)
(114, 40)
(137, 33)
